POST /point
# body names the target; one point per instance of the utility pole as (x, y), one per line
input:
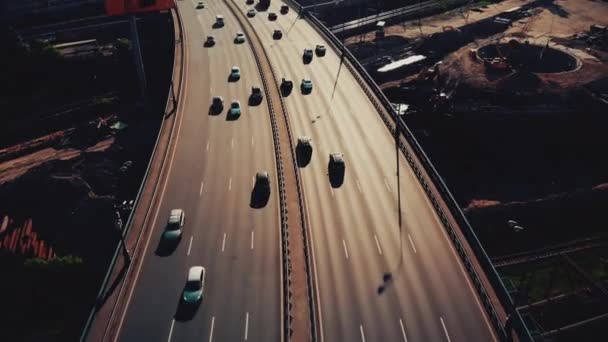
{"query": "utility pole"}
(138, 60)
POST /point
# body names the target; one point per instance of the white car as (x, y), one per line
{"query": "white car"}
(175, 223)
(240, 38)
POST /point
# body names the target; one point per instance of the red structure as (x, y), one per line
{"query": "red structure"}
(120, 7)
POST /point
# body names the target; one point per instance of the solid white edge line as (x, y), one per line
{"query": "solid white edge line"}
(200, 192)
(252, 143)
(230, 184)
(412, 242)
(211, 331)
(445, 330)
(207, 147)
(378, 244)
(224, 242)
(232, 143)
(171, 330)
(190, 244)
(252, 235)
(362, 333)
(345, 249)
(246, 325)
(402, 330)
(359, 186)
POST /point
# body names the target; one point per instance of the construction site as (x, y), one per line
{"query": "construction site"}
(509, 101)
(75, 143)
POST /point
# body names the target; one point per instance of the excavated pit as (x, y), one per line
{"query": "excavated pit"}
(530, 57)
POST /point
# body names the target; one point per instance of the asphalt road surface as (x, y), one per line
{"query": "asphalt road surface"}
(355, 230)
(211, 178)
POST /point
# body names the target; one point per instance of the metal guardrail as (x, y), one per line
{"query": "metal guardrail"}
(381, 103)
(388, 16)
(171, 106)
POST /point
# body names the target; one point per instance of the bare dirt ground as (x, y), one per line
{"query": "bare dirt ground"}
(562, 20)
(412, 29)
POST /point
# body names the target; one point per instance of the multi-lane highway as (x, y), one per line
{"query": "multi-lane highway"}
(211, 178)
(355, 231)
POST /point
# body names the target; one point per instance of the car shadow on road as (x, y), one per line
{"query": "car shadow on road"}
(258, 199)
(230, 117)
(166, 248)
(214, 112)
(185, 312)
(254, 101)
(303, 157)
(336, 179)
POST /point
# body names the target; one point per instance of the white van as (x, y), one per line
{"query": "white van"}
(219, 20)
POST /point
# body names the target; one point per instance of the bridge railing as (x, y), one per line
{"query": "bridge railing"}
(423, 168)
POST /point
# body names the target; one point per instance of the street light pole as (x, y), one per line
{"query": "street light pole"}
(139, 62)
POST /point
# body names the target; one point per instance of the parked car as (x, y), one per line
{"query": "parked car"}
(251, 13)
(240, 38)
(195, 285)
(277, 34)
(306, 86)
(200, 5)
(272, 16)
(320, 50)
(249, 2)
(284, 9)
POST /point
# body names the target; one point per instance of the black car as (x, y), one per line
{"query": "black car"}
(277, 34)
(320, 50)
(217, 104)
(272, 16)
(284, 9)
(256, 96)
(336, 165)
(249, 2)
(262, 183)
(286, 86)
